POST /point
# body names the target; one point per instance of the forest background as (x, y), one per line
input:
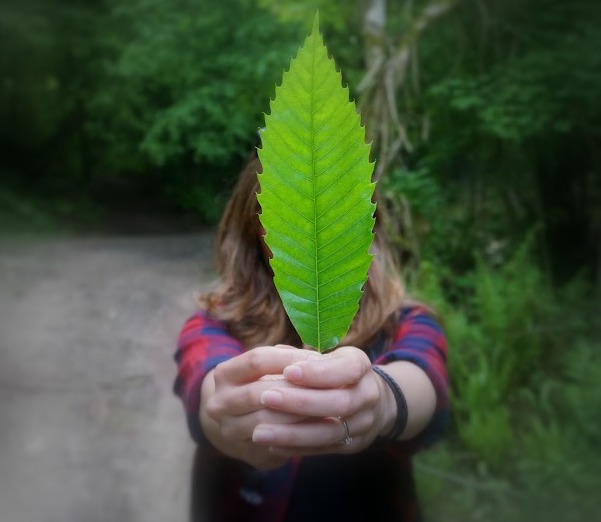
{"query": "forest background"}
(485, 118)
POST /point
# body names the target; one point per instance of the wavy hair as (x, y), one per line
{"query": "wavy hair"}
(245, 297)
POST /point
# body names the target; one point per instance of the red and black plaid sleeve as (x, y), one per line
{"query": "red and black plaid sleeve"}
(203, 343)
(420, 340)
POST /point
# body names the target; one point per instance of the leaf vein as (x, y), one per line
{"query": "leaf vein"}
(288, 205)
(337, 178)
(350, 239)
(353, 252)
(273, 128)
(284, 220)
(340, 304)
(340, 276)
(335, 148)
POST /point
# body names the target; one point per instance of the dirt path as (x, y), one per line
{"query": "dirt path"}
(89, 428)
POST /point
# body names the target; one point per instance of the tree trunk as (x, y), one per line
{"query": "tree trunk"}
(374, 37)
(386, 75)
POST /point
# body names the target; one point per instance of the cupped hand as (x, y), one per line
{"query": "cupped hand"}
(327, 388)
(232, 401)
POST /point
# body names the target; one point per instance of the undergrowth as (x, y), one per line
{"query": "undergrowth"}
(525, 373)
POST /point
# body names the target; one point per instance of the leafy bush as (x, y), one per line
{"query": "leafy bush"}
(505, 326)
(190, 84)
(525, 367)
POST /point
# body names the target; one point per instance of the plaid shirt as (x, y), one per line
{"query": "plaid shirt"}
(264, 496)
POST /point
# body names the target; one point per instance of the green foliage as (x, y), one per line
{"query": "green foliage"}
(558, 455)
(154, 92)
(316, 197)
(414, 199)
(331, 12)
(498, 336)
(513, 100)
(419, 187)
(501, 104)
(190, 83)
(523, 64)
(22, 214)
(514, 125)
(524, 372)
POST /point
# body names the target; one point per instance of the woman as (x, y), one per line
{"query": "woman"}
(288, 434)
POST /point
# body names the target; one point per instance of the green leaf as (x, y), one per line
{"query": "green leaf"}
(315, 197)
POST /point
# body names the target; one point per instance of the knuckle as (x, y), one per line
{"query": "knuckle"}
(365, 421)
(364, 360)
(263, 416)
(319, 372)
(372, 395)
(214, 408)
(248, 396)
(290, 437)
(227, 430)
(358, 366)
(219, 374)
(356, 370)
(255, 359)
(346, 404)
(301, 402)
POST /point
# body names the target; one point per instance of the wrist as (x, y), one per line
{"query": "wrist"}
(387, 407)
(400, 414)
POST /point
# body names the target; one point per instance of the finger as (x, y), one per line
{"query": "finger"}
(240, 428)
(312, 433)
(243, 399)
(310, 402)
(360, 435)
(260, 361)
(343, 367)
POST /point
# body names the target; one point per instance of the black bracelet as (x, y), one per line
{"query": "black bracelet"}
(401, 405)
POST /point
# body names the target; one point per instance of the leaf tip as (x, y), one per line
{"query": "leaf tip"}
(315, 29)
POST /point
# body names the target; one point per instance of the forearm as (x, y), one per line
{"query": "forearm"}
(419, 393)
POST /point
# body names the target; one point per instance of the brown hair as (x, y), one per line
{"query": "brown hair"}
(246, 299)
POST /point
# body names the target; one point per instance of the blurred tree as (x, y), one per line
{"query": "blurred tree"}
(49, 61)
(181, 101)
(491, 104)
(170, 94)
(189, 79)
(496, 103)
(516, 126)
(389, 57)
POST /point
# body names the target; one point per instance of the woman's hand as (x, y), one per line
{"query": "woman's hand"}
(231, 406)
(327, 388)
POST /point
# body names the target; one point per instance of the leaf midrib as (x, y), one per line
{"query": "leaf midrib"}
(312, 126)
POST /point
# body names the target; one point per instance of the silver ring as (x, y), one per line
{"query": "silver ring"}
(347, 435)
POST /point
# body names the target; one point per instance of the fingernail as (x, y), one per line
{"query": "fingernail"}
(293, 373)
(271, 398)
(263, 435)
